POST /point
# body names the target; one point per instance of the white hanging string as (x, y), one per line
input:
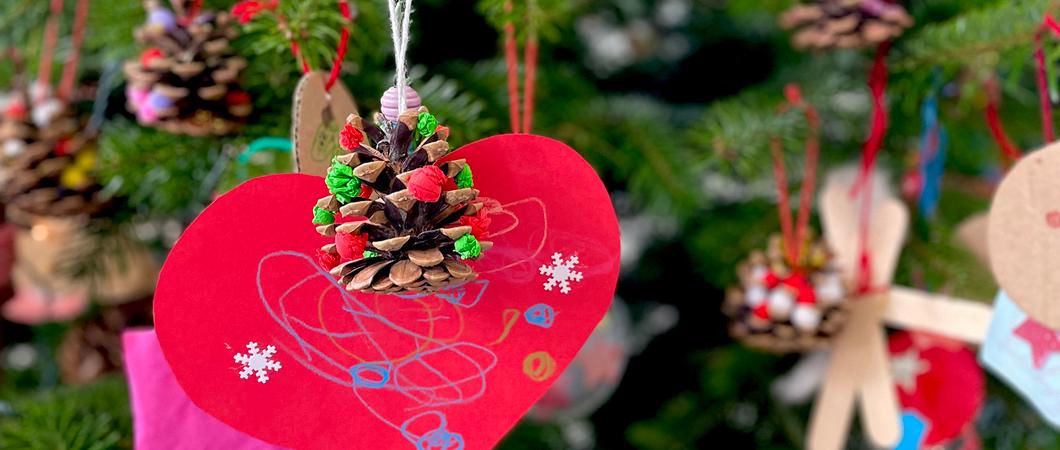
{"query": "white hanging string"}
(400, 19)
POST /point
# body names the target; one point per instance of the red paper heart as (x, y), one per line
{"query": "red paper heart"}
(438, 372)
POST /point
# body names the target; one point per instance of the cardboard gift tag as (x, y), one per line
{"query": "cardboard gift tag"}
(1026, 354)
(1024, 235)
(262, 338)
(318, 117)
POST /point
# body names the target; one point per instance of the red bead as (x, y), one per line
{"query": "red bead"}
(149, 55)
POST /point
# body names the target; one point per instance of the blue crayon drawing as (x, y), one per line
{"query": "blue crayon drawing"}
(370, 375)
(541, 315)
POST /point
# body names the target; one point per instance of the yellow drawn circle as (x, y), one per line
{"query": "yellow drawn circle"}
(539, 366)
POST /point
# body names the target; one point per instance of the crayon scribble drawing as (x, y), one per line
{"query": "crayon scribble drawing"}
(404, 357)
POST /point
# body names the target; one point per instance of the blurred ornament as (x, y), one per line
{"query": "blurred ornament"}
(939, 381)
(92, 349)
(594, 374)
(41, 150)
(189, 72)
(46, 292)
(825, 24)
(782, 309)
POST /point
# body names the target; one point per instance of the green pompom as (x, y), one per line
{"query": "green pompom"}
(468, 247)
(369, 254)
(464, 179)
(426, 123)
(322, 216)
(342, 183)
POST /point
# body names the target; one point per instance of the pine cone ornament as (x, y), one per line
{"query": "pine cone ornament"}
(783, 309)
(409, 221)
(826, 24)
(186, 81)
(46, 163)
(92, 349)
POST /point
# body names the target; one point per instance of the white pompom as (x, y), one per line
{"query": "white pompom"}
(780, 303)
(759, 272)
(45, 111)
(805, 317)
(756, 294)
(14, 147)
(829, 289)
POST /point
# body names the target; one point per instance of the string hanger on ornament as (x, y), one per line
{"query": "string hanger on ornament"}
(399, 97)
(521, 120)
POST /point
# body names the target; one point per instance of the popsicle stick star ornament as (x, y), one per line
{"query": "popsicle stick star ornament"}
(422, 337)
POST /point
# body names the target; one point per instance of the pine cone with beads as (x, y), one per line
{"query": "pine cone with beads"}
(826, 24)
(187, 79)
(784, 309)
(47, 163)
(408, 221)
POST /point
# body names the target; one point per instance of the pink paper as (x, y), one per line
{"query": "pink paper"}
(262, 338)
(163, 417)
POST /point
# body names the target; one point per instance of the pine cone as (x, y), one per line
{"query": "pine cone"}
(186, 81)
(828, 24)
(47, 163)
(412, 219)
(780, 309)
(92, 349)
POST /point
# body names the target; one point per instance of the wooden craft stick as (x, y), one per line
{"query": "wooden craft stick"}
(966, 320)
(834, 406)
(879, 403)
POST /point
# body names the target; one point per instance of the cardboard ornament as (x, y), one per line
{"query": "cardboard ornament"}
(260, 336)
(319, 114)
(1023, 344)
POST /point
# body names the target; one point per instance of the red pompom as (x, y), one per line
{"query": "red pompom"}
(770, 280)
(351, 246)
(16, 110)
(327, 260)
(62, 147)
(350, 137)
(149, 55)
(425, 184)
(366, 190)
(237, 98)
(761, 311)
(479, 223)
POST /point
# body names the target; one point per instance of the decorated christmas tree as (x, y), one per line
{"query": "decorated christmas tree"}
(683, 108)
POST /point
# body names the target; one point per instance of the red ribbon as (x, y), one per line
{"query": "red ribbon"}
(511, 59)
(793, 239)
(1009, 150)
(77, 36)
(1048, 24)
(51, 38)
(877, 87)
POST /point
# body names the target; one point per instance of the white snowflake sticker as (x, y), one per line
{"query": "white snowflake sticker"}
(257, 362)
(561, 272)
